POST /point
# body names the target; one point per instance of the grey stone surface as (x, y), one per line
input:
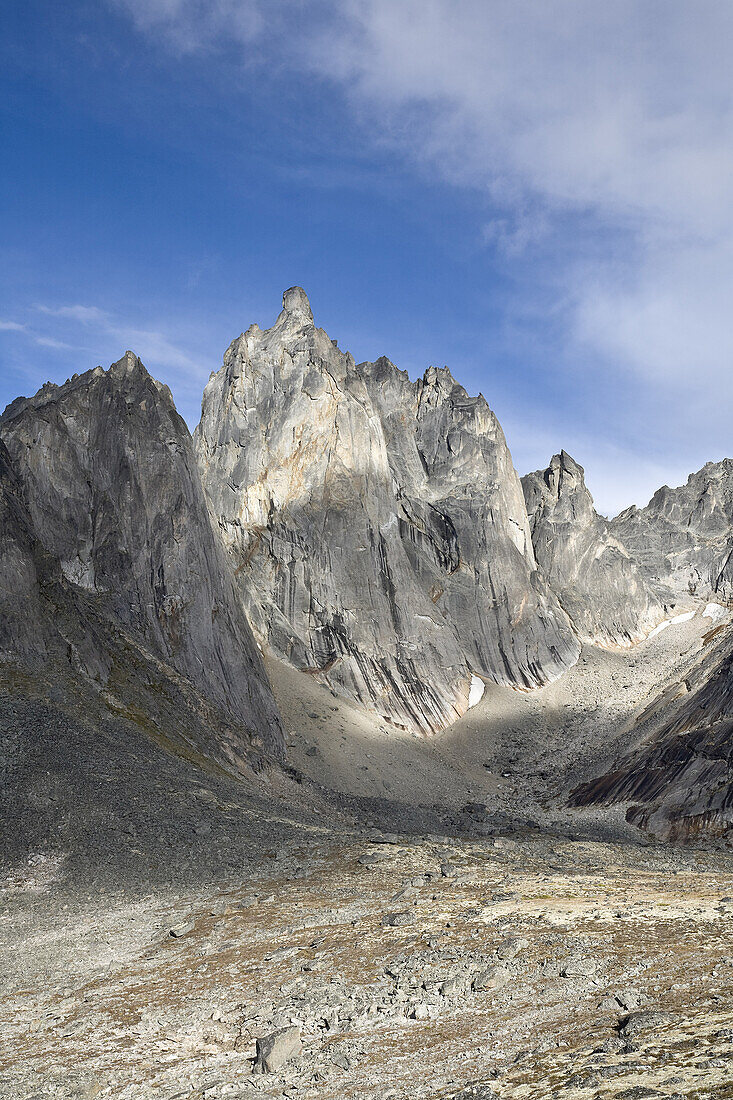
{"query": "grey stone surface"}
(603, 590)
(377, 526)
(275, 1050)
(108, 527)
(678, 779)
(684, 536)
(463, 521)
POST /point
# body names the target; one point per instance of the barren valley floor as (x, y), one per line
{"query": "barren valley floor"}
(434, 929)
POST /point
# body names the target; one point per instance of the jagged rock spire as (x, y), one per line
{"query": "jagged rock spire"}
(296, 305)
(378, 525)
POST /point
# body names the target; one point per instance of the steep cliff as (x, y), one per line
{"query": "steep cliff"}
(603, 590)
(677, 781)
(394, 563)
(463, 521)
(684, 536)
(104, 497)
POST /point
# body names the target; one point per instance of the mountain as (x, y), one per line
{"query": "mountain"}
(684, 536)
(112, 568)
(675, 775)
(600, 586)
(377, 525)
(372, 532)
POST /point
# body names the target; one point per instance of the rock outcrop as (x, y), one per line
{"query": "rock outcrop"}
(108, 529)
(599, 585)
(677, 782)
(683, 539)
(377, 525)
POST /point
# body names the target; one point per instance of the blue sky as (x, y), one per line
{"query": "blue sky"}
(538, 195)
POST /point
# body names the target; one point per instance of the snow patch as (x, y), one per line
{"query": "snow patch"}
(683, 618)
(476, 691)
(716, 612)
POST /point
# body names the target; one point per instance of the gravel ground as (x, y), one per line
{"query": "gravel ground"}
(431, 926)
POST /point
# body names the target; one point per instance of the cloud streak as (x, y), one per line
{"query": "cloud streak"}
(620, 113)
(93, 335)
(147, 343)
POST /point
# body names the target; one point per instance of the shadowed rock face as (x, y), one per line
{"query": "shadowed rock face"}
(602, 589)
(684, 537)
(103, 498)
(679, 781)
(378, 526)
(25, 570)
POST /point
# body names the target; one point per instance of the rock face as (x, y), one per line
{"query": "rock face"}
(463, 522)
(678, 782)
(599, 585)
(26, 570)
(377, 525)
(684, 537)
(102, 499)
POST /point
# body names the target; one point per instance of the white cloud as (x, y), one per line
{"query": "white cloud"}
(190, 26)
(36, 338)
(621, 113)
(149, 344)
(85, 314)
(92, 335)
(607, 124)
(50, 342)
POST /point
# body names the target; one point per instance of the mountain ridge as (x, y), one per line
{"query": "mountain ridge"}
(369, 530)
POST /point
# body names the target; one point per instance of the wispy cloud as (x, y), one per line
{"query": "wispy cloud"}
(620, 113)
(50, 342)
(149, 344)
(35, 337)
(83, 335)
(190, 26)
(87, 315)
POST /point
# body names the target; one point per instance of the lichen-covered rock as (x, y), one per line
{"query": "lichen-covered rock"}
(684, 536)
(600, 586)
(393, 562)
(112, 506)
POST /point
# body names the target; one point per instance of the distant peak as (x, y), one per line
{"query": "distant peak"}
(128, 362)
(566, 464)
(295, 302)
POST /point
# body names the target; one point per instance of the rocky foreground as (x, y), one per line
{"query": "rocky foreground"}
(171, 931)
(512, 966)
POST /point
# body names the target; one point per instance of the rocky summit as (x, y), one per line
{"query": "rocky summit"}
(377, 525)
(598, 582)
(339, 761)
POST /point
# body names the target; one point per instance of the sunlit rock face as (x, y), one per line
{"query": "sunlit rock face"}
(603, 590)
(377, 525)
(684, 537)
(463, 521)
(112, 503)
